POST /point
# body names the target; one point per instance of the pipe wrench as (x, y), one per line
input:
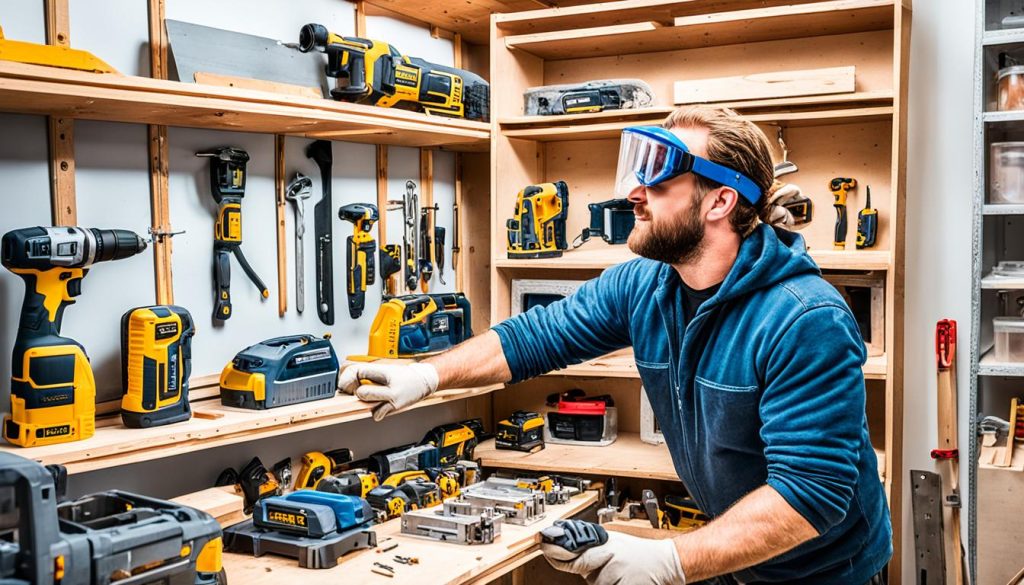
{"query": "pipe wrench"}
(299, 189)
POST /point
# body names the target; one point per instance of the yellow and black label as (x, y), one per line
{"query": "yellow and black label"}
(287, 518)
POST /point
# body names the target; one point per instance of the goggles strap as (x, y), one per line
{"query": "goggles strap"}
(727, 177)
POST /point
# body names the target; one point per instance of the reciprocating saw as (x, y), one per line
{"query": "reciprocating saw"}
(53, 393)
(375, 73)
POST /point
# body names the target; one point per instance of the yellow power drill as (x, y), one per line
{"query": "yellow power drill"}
(362, 250)
(840, 186)
(375, 73)
(53, 393)
(537, 229)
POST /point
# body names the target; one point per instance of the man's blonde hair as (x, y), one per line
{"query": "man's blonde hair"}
(737, 143)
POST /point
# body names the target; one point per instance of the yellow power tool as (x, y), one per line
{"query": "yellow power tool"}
(375, 73)
(51, 56)
(414, 325)
(362, 252)
(156, 358)
(537, 229)
(840, 186)
(317, 465)
(53, 392)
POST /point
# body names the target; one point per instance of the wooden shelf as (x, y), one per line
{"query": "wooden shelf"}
(988, 366)
(600, 257)
(628, 456)
(556, 129)
(30, 89)
(439, 563)
(212, 425)
(707, 30)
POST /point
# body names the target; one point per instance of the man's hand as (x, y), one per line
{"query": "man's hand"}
(394, 387)
(622, 560)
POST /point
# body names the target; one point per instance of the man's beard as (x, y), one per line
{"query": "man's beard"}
(679, 241)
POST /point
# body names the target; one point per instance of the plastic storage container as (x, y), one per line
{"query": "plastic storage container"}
(1009, 334)
(1006, 173)
(1010, 83)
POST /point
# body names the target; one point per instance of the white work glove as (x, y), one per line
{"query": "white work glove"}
(623, 560)
(394, 387)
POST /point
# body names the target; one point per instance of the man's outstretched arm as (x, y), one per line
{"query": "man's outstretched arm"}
(478, 361)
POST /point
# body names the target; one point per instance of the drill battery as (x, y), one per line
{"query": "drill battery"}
(280, 371)
(523, 431)
(537, 228)
(581, 420)
(156, 357)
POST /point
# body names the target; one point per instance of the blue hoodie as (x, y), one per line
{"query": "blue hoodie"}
(763, 386)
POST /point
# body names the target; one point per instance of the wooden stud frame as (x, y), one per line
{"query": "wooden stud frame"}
(280, 204)
(60, 131)
(159, 185)
(876, 282)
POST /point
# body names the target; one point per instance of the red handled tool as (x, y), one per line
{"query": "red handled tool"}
(946, 454)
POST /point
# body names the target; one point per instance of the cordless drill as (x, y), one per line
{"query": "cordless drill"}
(53, 393)
(840, 186)
(227, 184)
(361, 251)
(375, 73)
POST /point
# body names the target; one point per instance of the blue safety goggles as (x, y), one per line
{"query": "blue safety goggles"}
(649, 155)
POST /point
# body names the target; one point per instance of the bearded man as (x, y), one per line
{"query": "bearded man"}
(751, 361)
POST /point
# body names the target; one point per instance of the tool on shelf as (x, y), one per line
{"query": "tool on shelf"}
(280, 371)
(391, 501)
(840, 186)
(318, 465)
(522, 506)
(537, 228)
(362, 251)
(101, 537)
(299, 189)
(455, 441)
(582, 420)
(390, 265)
(947, 453)
(51, 56)
(156, 359)
(867, 224)
(321, 153)
(522, 431)
(53, 392)
(450, 526)
(312, 526)
(415, 325)
(227, 185)
(376, 73)
(426, 250)
(787, 166)
(254, 480)
(591, 96)
(611, 220)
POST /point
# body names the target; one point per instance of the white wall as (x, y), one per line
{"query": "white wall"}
(938, 261)
(112, 182)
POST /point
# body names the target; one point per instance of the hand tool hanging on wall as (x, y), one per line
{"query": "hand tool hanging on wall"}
(53, 392)
(410, 235)
(390, 265)
(867, 224)
(321, 153)
(227, 184)
(362, 249)
(426, 250)
(156, 359)
(299, 189)
(786, 166)
(456, 234)
(439, 238)
(375, 73)
(537, 229)
(946, 454)
(840, 186)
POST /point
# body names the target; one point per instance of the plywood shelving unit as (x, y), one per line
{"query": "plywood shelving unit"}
(859, 134)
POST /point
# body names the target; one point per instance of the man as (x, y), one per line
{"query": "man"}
(752, 363)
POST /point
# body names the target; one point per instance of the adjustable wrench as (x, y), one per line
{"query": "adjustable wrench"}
(299, 189)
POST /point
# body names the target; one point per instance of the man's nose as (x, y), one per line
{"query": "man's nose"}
(638, 195)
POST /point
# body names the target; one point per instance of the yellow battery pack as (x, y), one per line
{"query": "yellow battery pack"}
(53, 400)
(156, 357)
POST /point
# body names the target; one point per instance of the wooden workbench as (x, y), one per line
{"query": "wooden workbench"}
(439, 563)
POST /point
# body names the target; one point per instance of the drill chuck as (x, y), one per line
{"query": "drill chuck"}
(312, 36)
(116, 244)
(43, 248)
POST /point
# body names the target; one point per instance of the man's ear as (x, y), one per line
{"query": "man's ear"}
(721, 202)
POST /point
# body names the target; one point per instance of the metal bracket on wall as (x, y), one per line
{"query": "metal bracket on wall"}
(926, 506)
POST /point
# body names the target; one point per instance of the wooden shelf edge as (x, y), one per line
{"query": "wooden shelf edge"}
(601, 258)
(626, 457)
(116, 445)
(623, 366)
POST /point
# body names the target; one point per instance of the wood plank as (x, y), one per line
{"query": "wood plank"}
(63, 205)
(41, 90)
(716, 29)
(159, 173)
(257, 84)
(223, 503)
(280, 204)
(360, 19)
(999, 530)
(427, 200)
(774, 84)
(117, 445)
(628, 456)
(439, 563)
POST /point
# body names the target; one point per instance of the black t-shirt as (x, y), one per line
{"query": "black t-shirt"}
(694, 298)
